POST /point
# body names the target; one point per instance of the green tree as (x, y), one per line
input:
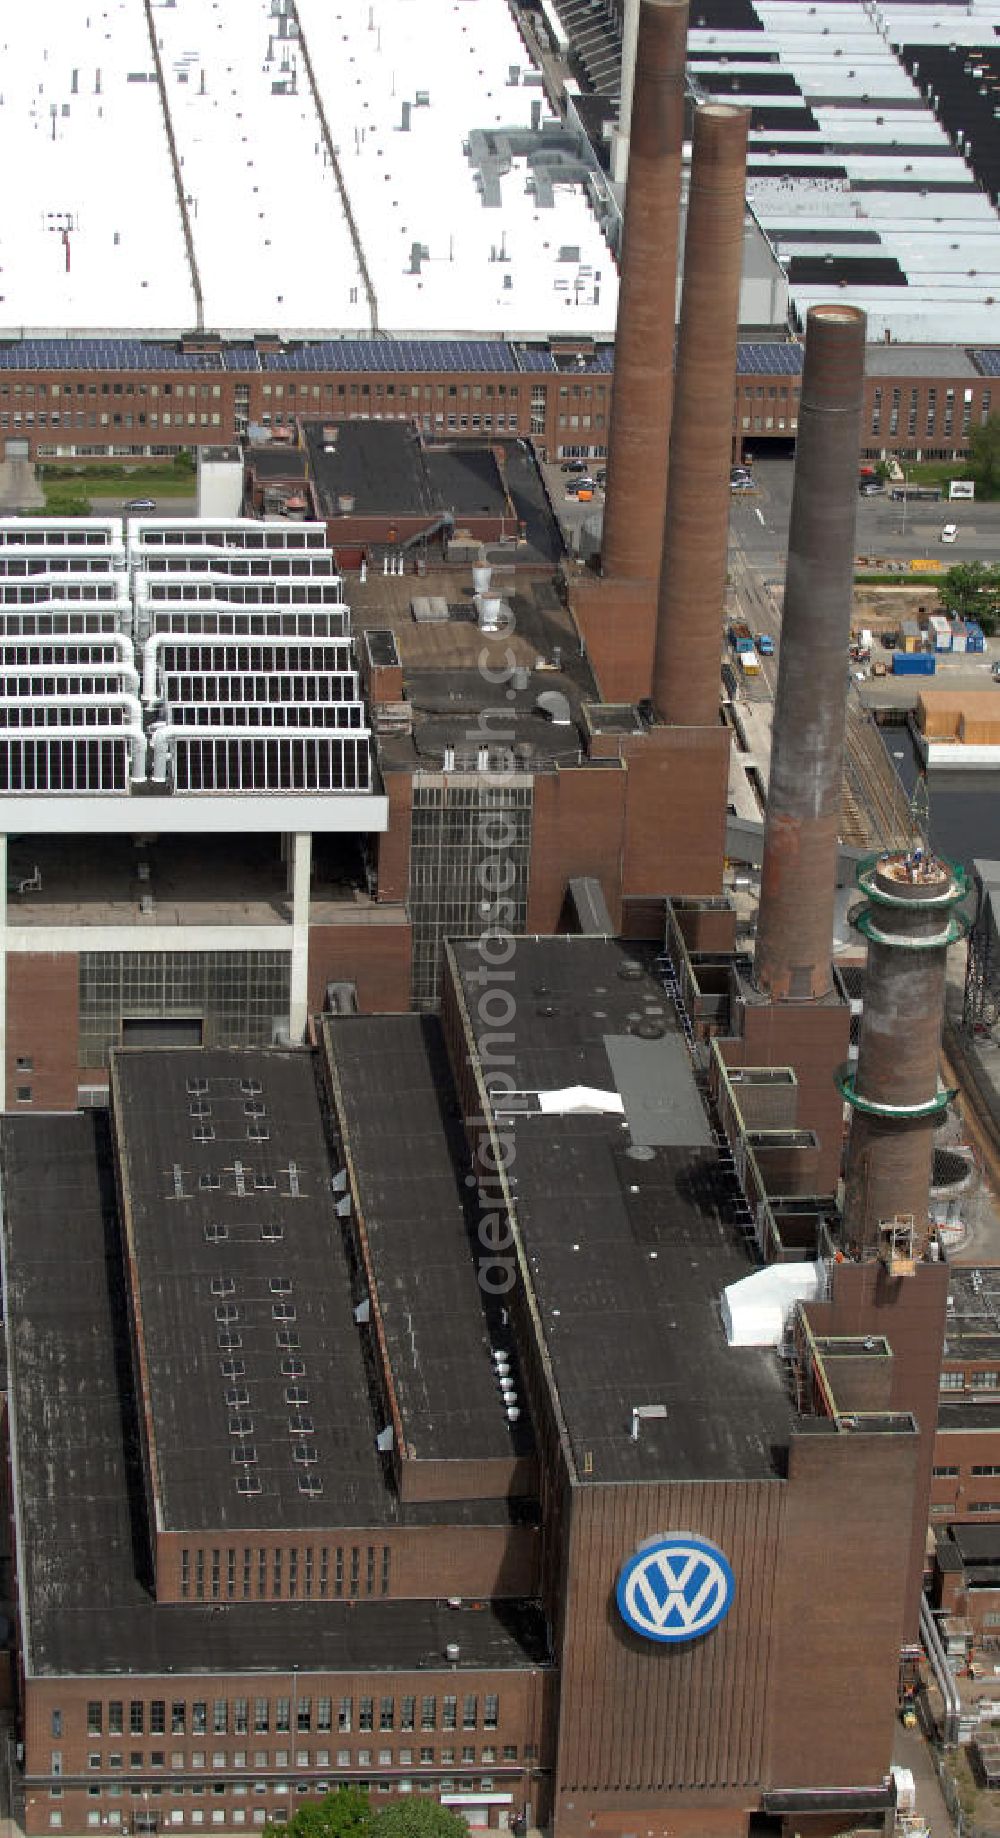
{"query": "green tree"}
(417, 1819)
(184, 460)
(984, 458)
(344, 1814)
(972, 590)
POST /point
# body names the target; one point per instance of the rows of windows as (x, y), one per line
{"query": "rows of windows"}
(141, 1761)
(261, 1714)
(979, 1379)
(265, 1572)
(949, 404)
(94, 420)
(153, 1815)
(30, 391)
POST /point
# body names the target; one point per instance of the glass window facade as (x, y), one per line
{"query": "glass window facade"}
(470, 845)
(237, 995)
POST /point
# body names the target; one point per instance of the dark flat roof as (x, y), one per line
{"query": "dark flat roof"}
(82, 1538)
(625, 1222)
(282, 1256)
(978, 1544)
(389, 470)
(404, 1140)
(466, 479)
(970, 1416)
(377, 463)
(277, 462)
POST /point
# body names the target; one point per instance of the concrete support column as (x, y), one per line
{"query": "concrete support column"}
(301, 877)
(686, 677)
(639, 434)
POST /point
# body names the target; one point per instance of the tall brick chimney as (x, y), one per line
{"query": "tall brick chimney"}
(692, 591)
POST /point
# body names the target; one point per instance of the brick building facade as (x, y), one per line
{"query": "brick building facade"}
(416, 1581)
(143, 400)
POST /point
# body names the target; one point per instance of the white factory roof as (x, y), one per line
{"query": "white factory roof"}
(278, 244)
(972, 22)
(458, 64)
(877, 178)
(82, 141)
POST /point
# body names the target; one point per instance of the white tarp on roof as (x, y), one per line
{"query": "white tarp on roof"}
(755, 1310)
(570, 1098)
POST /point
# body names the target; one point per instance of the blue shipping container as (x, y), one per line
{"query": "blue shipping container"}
(913, 663)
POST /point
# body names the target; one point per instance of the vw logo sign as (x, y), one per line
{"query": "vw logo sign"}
(675, 1588)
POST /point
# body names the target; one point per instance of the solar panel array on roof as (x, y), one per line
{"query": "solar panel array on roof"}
(769, 360)
(987, 362)
(104, 354)
(375, 354)
(539, 357)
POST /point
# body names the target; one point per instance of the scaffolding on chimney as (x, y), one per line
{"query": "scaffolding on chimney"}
(897, 1244)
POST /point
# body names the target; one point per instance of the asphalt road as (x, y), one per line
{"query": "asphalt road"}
(896, 531)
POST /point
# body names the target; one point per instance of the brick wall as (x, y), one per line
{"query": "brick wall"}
(376, 957)
(42, 1029)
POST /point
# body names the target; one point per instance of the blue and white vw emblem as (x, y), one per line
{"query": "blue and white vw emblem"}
(675, 1588)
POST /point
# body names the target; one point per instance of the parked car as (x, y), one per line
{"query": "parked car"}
(139, 504)
(575, 465)
(950, 532)
(870, 488)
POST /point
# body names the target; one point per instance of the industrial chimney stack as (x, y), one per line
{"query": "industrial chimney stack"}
(795, 922)
(639, 433)
(695, 539)
(909, 922)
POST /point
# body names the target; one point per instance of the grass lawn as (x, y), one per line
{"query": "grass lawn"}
(933, 472)
(117, 482)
